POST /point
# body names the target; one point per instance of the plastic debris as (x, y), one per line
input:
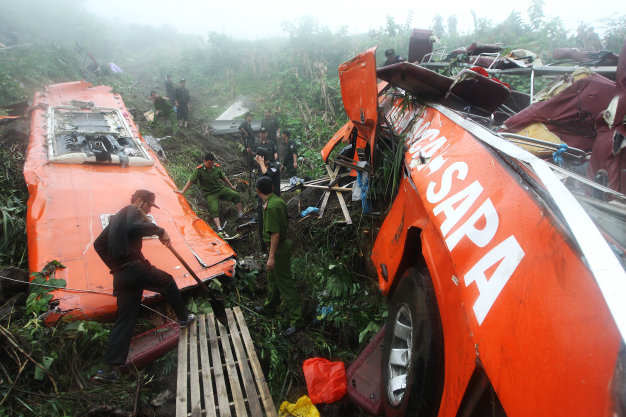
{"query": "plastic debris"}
(302, 408)
(309, 210)
(325, 380)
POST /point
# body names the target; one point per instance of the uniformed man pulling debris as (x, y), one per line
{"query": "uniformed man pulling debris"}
(119, 247)
(164, 110)
(211, 179)
(280, 281)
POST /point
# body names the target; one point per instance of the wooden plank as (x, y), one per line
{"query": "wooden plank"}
(326, 187)
(266, 398)
(194, 381)
(181, 389)
(344, 208)
(324, 202)
(218, 371)
(244, 367)
(231, 370)
(207, 385)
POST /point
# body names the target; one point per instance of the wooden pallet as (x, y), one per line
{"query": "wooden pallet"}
(219, 374)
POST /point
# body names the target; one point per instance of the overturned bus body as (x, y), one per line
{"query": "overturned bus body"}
(504, 274)
(85, 159)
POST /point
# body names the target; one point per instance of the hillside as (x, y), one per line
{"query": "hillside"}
(297, 77)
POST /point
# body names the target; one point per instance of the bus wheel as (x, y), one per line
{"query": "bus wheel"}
(412, 361)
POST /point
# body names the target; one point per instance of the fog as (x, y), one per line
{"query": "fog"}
(246, 19)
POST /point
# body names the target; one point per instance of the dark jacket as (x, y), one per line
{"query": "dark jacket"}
(121, 241)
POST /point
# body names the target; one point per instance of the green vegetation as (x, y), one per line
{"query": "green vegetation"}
(47, 369)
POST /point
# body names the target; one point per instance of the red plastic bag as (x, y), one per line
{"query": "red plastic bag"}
(325, 380)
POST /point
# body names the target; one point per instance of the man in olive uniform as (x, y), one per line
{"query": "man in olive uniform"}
(269, 169)
(247, 135)
(290, 156)
(182, 103)
(164, 110)
(270, 124)
(211, 180)
(280, 281)
(267, 145)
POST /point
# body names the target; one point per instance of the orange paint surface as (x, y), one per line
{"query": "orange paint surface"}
(67, 200)
(546, 339)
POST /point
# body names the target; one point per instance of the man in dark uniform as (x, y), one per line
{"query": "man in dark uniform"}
(269, 169)
(211, 180)
(182, 103)
(280, 281)
(247, 135)
(170, 91)
(164, 110)
(267, 145)
(392, 58)
(119, 246)
(270, 124)
(290, 155)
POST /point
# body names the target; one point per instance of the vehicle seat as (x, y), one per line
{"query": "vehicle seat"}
(479, 91)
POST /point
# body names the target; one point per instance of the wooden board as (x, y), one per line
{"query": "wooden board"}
(219, 374)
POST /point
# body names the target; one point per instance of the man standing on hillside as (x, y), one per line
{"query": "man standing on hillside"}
(170, 91)
(211, 179)
(392, 57)
(164, 110)
(269, 169)
(280, 281)
(290, 155)
(270, 124)
(269, 146)
(182, 103)
(119, 247)
(247, 136)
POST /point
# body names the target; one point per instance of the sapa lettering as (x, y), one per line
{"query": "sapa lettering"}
(428, 135)
(480, 237)
(464, 200)
(460, 168)
(508, 254)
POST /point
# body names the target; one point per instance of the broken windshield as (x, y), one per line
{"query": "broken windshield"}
(93, 135)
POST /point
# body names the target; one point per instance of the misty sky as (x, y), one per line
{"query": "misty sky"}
(254, 19)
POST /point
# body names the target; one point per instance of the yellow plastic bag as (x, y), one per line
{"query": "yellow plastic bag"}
(302, 408)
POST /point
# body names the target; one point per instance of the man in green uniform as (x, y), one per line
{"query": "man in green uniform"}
(211, 179)
(164, 110)
(280, 281)
(269, 169)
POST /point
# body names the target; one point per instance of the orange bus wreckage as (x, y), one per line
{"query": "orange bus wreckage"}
(506, 299)
(85, 159)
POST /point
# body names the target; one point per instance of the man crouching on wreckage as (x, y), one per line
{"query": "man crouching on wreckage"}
(119, 247)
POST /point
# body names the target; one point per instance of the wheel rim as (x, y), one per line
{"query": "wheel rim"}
(399, 361)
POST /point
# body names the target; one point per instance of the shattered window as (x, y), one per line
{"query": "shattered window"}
(93, 135)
